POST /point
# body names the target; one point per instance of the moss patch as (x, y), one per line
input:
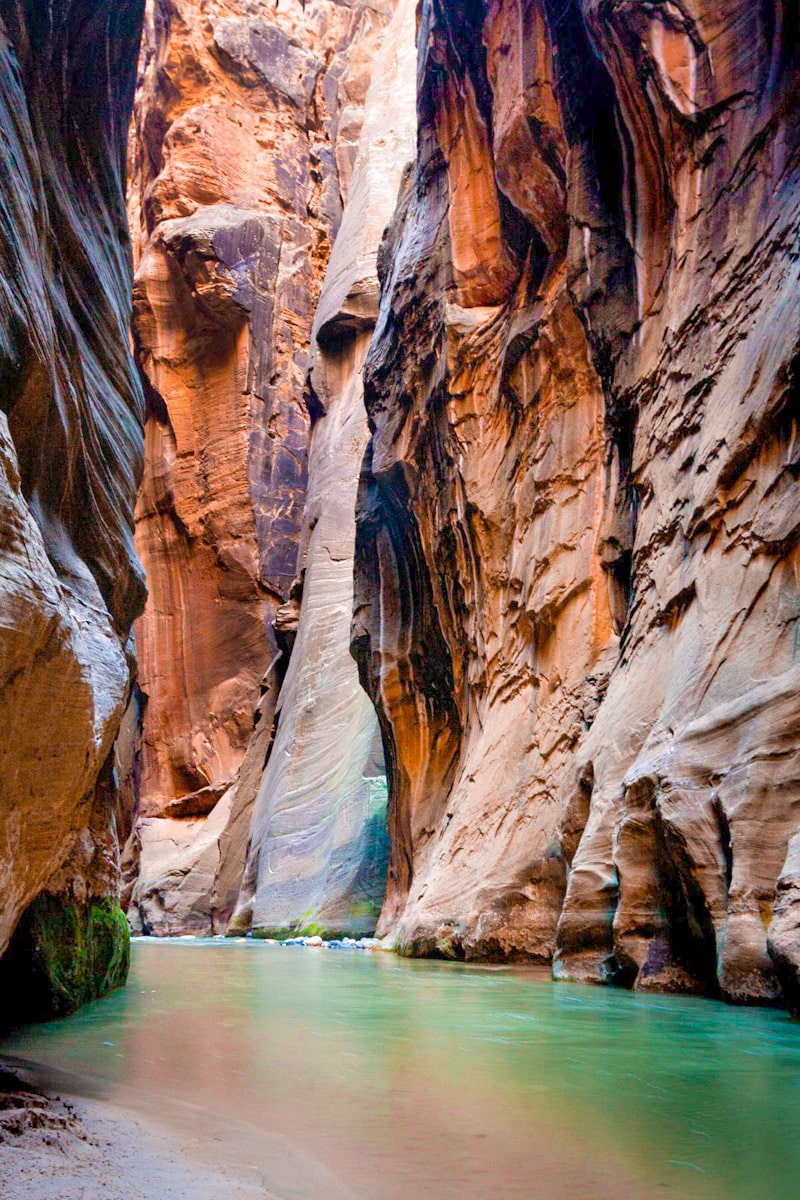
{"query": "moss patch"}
(63, 955)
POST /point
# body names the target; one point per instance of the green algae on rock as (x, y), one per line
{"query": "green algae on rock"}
(63, 954)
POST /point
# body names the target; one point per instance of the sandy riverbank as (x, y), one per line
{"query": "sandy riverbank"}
(58, 1147)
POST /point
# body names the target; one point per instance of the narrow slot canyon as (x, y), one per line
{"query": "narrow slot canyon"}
(399, 599)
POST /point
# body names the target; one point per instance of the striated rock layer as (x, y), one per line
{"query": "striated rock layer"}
(244, 142)
(318, 843)
(576, 575)
(70, 462)
(242, 147)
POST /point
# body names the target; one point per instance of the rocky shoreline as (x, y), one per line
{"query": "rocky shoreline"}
(317, 942)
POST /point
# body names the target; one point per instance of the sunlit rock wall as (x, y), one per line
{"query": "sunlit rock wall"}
(246, 116)
(70, 460)
(246, 127)
(319, 843)
(576, 593)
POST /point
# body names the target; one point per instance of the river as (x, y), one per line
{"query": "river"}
(347, 1075)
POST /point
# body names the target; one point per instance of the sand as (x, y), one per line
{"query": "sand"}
(58, 1147)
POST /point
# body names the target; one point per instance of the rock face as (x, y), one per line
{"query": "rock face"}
(241, 148)
(70, 462)
(319, 844)
(576, 592)
(247, 123)
(575, 601)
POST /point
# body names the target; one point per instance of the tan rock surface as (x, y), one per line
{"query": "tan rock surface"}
(235, 196)
(318, 845)
(186, 874)
(70, 448)
(576, 566)
(705, 394)
(246, 124)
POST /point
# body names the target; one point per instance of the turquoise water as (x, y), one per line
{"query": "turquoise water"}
(361, 1075)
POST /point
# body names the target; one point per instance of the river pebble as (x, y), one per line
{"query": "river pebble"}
(345, 943)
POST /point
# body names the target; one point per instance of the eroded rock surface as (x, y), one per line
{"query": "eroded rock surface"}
(319, 845)
(235, 197)
(576, 593)
(247, 122)
(70, 462)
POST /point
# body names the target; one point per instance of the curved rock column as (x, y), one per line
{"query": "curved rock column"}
(243, 124)
(695, 753)
(483, 626)
(246, 124)
(319, 844)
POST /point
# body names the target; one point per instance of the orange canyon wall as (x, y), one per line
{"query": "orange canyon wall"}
(243, 147)
(577, 593)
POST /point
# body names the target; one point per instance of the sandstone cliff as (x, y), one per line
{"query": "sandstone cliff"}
(576, 592)
(243, 147)
(235, 196)
(575, 575)
(319, 846)
(70, 462)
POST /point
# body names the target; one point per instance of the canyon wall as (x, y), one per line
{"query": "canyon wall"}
(241, 150)
(70, 462)
(576, 567)
(575, 597)
(244, 142)
(319, 845)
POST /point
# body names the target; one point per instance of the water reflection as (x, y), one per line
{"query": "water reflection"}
(428, 1081)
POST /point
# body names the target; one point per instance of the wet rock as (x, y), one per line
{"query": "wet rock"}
(62, 955)
(784, 931)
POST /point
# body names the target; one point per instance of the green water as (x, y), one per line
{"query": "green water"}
(396, 1079)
